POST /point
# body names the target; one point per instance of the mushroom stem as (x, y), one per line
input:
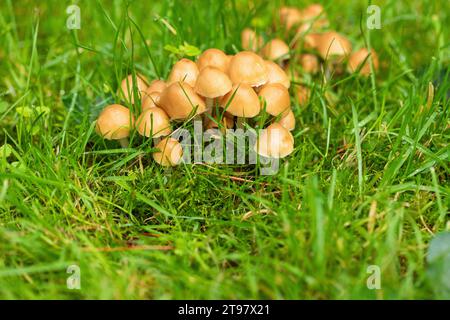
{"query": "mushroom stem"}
(240, 123)
(124, 143)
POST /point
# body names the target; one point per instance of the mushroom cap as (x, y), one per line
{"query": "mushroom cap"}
(179, 100)
(241, 101)
(170, 152)
(156, 86)
(248, 68)
(250, 40)
(333, 45)
(227, 122)
(287, 120)
(213, 58)
(276, 98)
(114, 122)
(303, 95)
(212, 83)
(153, 122)
(184, 70)
(359, 57)
(277, 74)
(126, 90)
(309, 63)
(275, 49)
(150, 100)
(312, 12)
(311, 40)
(290, 17)
(275, 142)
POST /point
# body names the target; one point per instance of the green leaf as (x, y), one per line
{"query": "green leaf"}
(5, 151)
(24, 111)
(190, 50)
(3, 106)
(42, 109)
(172, 49)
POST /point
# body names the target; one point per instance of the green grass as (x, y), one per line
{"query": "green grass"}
(211, 231)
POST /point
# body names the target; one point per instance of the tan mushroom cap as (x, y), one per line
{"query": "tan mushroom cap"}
(250, 40)
(241, 101)
(276, 98)
(170, 152)
(153, 122)
(333, 45)
(156, 86)
(212, 83)
(275, 142)
(179, 100)
(275, 49)
(150, 100)
(313, 12)
(184, 70)
(290, 17)
(213, 58)
(303, 95)
(309, 63)
(126, 90)
(360, 57)
(277, 74)
(114, 122)
(248, 68)
(311, 40)
(287, 120)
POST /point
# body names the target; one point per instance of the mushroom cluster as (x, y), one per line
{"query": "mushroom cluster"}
(223, 90)
(312, 47)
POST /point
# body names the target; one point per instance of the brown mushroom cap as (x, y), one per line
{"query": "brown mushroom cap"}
(309, 63)
(312, 12)
(153, 122)
(334, 46)
(290, 17)
(126, 90)
(250, 40)
(150, 100)
(156, 86)
(276, 98)
(170, 152)
(275, 49)
(277, 74)
(212, 83)
(179, 100)
(184, 70)
(303, 95)
(241, 101)
(248, 68)
(275, 142)
(311, 40)
(213, 58)
(360, 57)
(114, 122)
(287, 120)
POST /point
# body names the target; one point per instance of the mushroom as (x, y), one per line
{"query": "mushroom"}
(289, 17)
(179, 101)
(275, 142)
(275, 97)
(303, 94)
(114, 123)
(334, 47)
(211, 84)
(213, 58)
(313, 17)
(275, 49)
(309, 63)
(276, 74)
(170, 152)
(153, 122)
(150, 100)
(360, 60)
(156, 86)
(128, 87)
(242, 102)
(311, 41)
(184, 70)
(287, 120)
(250, 40)
(248, 68)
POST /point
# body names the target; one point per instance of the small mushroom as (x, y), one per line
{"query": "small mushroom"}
(248, 68)
(275, 142)
(128, 87)
(114, 123)
(241, 101)
(153, 122)
(184, 70)
(333, 46)
(290, 17)
(309, 63)
(250, 40)
(303, 94)
(156, 86)
(170, 152)
(179, 101)
(360, 60)
(213, 58)
(275, 97)
(276, 74)
(150, 100)
(212, 83)
(287, 120)
(276, 50)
